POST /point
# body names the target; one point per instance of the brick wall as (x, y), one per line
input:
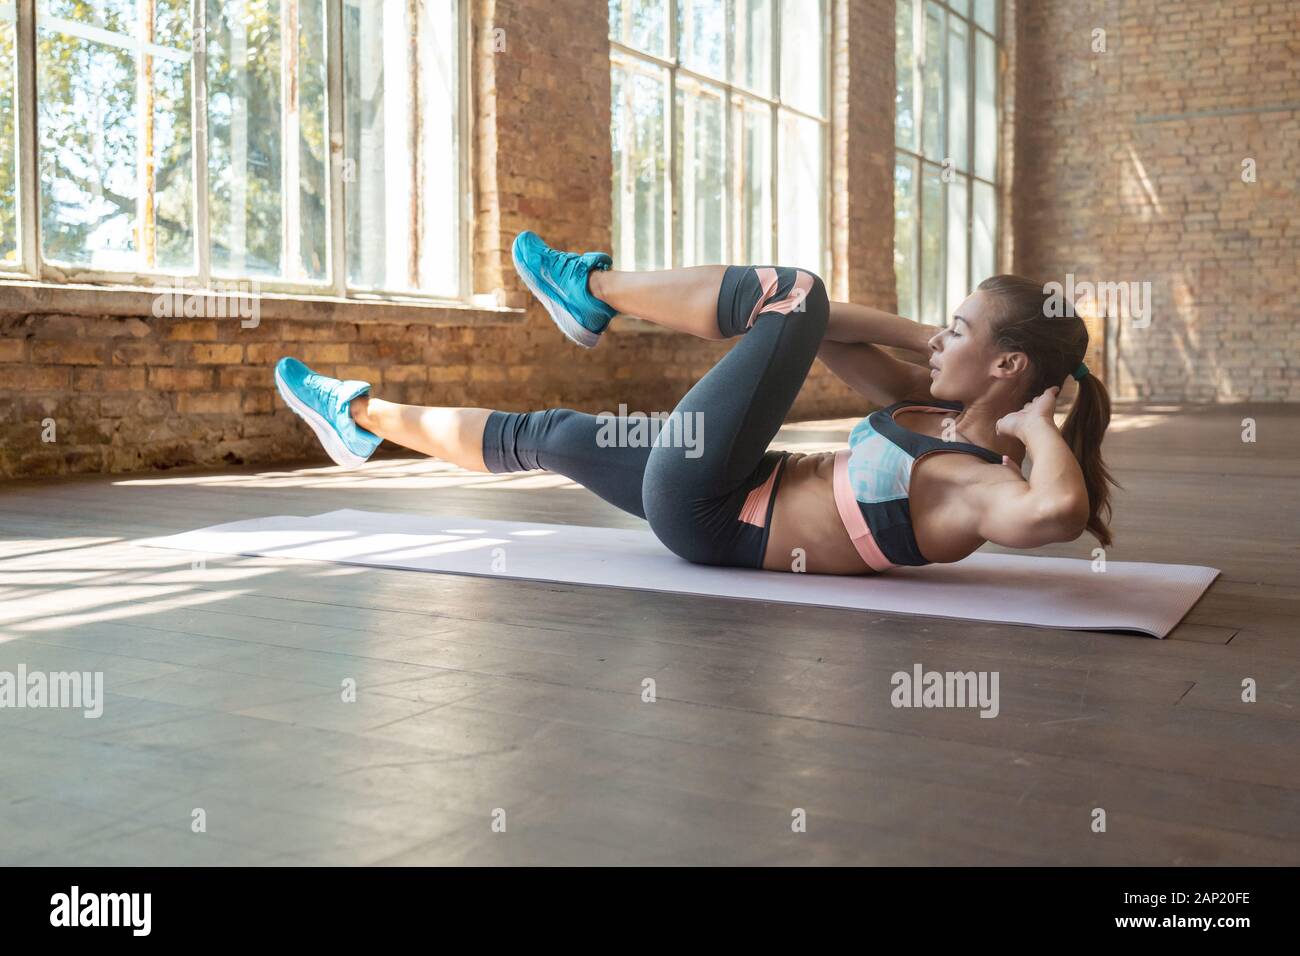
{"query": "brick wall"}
(862, 153)
(1129, 168)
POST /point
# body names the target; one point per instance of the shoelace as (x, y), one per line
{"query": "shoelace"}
(332, 393)
(566, 267)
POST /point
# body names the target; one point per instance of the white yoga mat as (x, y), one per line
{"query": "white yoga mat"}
(1014, 589)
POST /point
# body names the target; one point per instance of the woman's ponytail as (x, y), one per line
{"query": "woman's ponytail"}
(1084, 427)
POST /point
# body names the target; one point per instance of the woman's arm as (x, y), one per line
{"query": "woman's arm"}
(1053, 504)
(852, 350)
(873, 373)
(861, 323)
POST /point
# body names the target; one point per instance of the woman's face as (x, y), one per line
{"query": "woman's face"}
(963, 360)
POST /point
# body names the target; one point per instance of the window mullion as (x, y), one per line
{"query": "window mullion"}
(414, 121)
(28, 151)
(465, 182)
(670, 130)
(970, 154)
(335, 167)
(626, 198)
(825, 257)
(199, 123)
(239, 138)
(729, 199)
(774, 127)
(290, 158)
(144, 204)
(944, 87)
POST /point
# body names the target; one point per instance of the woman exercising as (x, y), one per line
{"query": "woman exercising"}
(890, 499)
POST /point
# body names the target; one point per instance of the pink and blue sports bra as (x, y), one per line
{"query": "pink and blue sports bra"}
(873, 477)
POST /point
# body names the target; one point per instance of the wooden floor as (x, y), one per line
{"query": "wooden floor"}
(482, 699)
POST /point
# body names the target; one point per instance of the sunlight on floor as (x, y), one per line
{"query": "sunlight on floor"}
(391, 474)
(70, 582)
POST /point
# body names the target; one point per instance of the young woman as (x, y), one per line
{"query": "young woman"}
(985, 399)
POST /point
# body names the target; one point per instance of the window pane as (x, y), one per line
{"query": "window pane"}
(986, 107)
(753, 45)
(245, 158)
(905, 81)
(960, 6)
(642, 24)
(702, 35)
(905, 233)
(267, 140)
(931, 246)
(986, 14)
(958, 84)
(170, 143)
(637, 116)
(983, 259)
(401, 169)
(313, 144)
(955, 252)
(700, 159)
(89, 146)
(9, 251)
(799, 188)
(932, 83)
(803, 57)
(751, 125)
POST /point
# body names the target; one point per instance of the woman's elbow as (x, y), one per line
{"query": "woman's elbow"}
(1064, 518)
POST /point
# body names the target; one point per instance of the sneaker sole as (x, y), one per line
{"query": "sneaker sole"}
(326, 434)
(574, 330)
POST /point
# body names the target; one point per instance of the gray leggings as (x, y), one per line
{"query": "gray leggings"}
(702, 477)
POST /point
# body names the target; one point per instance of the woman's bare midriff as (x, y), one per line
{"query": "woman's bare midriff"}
(805, 515)
(807, 533)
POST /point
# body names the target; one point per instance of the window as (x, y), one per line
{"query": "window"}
(160, 158)
(946, 139)
(719, 132)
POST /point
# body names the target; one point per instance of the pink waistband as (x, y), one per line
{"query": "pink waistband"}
(854, 522)
(759, 500)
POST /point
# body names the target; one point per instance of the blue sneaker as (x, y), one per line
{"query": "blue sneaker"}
(559, 280)
(323, 402)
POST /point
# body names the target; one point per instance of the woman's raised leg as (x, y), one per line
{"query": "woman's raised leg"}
(682, 299)
(582, 293)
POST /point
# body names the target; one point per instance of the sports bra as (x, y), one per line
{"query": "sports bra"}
(873, 476)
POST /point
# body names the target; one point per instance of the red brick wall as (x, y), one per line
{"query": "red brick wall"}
(138, 392)
(1129, 168)
(862, 153)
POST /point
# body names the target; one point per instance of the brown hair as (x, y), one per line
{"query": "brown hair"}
(1055, 345)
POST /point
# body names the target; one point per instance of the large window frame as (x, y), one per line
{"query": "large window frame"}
(32, 265)
(920, 163)
(735, 95)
